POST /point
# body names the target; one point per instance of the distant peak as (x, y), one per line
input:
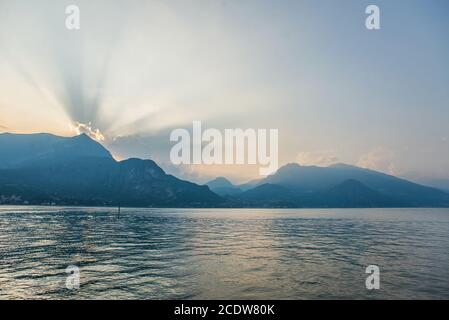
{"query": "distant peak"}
(292, 165)
(289, 167)
(81, 139)
(220, 182)
(134, 160)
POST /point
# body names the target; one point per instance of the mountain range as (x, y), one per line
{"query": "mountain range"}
(44, 169)
(339, 185)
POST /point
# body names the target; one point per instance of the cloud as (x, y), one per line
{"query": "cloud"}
(379, 159)
(80, 128)
(318, 158)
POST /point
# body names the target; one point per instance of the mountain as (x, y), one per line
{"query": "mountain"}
(345, 185)
(269, 196)
(348, 194)
(46, 169)
(223, 187)
(22, 150)
(354, 194)
(249, 185)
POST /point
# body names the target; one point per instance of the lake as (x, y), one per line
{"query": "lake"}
(223, 253)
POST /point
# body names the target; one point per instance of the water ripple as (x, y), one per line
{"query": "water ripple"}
(223, 254)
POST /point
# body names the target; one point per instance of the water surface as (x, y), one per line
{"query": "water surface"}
(223, 253)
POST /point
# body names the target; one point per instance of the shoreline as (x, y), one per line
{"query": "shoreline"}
(219, 208)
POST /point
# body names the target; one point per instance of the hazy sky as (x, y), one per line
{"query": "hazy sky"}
(336, 91)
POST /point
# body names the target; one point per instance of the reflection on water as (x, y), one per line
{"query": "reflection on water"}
(223, 253)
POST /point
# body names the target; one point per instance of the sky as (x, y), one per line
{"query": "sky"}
(136, 70)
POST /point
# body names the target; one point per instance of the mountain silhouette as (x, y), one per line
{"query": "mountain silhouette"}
(348, 194)
(268, 196)
(45, 169)
(312, 182)
(223, 187)
(42, 169)
(22, 150)
(354, 194)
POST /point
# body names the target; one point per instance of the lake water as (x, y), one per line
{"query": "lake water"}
(223, 253)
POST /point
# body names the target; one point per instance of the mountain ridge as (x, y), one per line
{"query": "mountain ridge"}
(223, 187)
(48, 169)
(80, 171)
(307, 179)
